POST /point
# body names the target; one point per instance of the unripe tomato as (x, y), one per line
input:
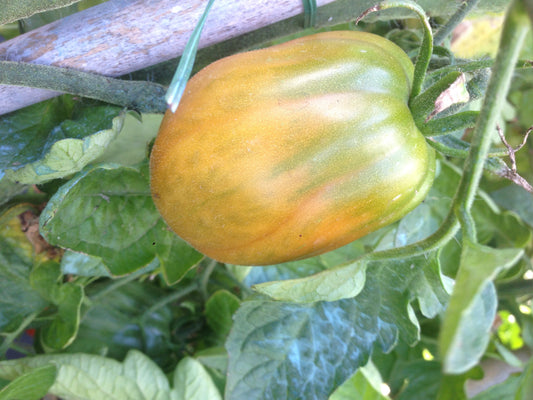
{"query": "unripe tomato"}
(291, 151)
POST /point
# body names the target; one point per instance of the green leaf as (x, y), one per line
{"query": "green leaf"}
(516, 199)
(502, 229)
(121, 318)
(219, 310)
(421, 278)
(64, 327)
(417, 379)
(82, 265)
(40, 155)
(32, 385)
(502, 391)
(175, 256)
(468, 319)
(452, 387)
(9, 189)
(83, 376)
(131, 145)
(12, 11)
(24, 133)
(343, 281)
(67, 297)
(18, 299)
(364, 384)
(525, 389)
(275, 347)
(192, 382)
(215, 358)
(107, 211)
(88, 377)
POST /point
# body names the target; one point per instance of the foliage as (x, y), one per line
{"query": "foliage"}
(120, 307)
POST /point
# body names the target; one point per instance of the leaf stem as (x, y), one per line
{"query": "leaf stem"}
(204, 280)
(117, 284)
(139, 95)
(176, 295)
(514, 31)
(465, 7)
(443, 235)
(10, 337)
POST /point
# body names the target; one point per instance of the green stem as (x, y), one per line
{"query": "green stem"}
(117, 284)
(443, 235)
(10, 337)
(455, 19)
(138, 95)
(204, 280)
(513, 35)
(178, 294)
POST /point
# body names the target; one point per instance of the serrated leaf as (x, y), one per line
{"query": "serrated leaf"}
(219, 310)
(32, 385)
(192, 382)
(88, 377)
(293, 351)
(107, 211)
(63, 150)
(463, 337)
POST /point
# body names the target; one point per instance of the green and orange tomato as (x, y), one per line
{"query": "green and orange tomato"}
(288, 152)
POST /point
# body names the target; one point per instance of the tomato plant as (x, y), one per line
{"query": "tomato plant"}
(276, 156)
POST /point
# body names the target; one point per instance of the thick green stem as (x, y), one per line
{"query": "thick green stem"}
(139, 95)
(513, 35)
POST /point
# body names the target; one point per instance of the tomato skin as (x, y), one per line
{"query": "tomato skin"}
(291, 151)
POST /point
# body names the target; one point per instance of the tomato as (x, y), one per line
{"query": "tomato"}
(287, 152)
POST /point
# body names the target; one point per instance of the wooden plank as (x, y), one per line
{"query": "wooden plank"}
(121, 36)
